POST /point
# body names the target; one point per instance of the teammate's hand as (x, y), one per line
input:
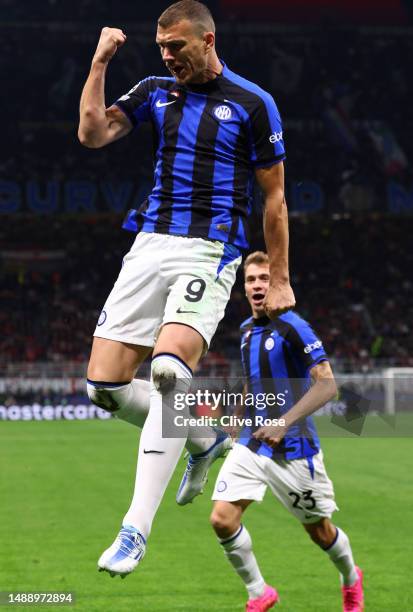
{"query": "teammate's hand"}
(109, 42)
(278, 300)
(270, 434)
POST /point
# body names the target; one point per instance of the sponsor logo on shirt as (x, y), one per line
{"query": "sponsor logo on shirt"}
(276, 137)
(312, 347)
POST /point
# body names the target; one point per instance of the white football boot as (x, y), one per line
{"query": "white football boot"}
(123, 556)
(196, 473)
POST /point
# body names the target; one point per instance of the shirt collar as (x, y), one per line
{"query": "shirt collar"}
(261, 321)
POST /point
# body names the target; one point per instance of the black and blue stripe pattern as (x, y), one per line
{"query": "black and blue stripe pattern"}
(277, 357)
(209, 139)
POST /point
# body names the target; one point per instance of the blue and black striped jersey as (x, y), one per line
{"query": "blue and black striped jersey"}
(209, 139)
(277, 357)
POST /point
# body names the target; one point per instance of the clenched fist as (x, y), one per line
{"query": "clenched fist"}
(109, 42)
(278, 300)
(270, 434)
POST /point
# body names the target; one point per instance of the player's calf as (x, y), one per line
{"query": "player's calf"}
(238, 550)
(161, 442)
(323, 532)
(337, 546)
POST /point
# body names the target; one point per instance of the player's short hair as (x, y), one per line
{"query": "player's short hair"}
(257, 257)
(192, 10)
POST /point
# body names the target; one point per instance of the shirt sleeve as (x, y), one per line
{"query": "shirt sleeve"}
(267, 144)
(136, 103)
(306, 344)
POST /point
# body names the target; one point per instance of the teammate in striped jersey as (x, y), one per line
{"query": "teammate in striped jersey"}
(280, 357)
(214, 131)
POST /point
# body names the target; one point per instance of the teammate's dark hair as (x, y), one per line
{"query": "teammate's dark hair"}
(257, 257)
(192, 10)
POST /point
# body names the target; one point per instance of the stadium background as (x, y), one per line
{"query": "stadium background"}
(340, 73)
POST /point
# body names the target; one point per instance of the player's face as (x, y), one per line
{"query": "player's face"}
(257, 279)
(183, 51)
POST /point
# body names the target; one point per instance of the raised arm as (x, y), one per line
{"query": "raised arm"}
(280, 296)
(98, 125)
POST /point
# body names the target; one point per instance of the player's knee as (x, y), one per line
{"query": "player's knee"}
(321, 533)
(166, 370)
(223, 523)
(163, 376)
(103, 398)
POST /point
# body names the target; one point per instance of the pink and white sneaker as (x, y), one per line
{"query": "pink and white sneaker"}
(353, 596)
(267, 600)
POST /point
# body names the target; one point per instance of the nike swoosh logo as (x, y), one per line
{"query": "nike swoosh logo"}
(159, 104)
(153, 451)
(179, 311)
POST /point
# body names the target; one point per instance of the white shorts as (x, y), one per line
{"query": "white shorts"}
(169, 279)
(246, 475)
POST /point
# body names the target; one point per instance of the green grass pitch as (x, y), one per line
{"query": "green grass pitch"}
(64, 487)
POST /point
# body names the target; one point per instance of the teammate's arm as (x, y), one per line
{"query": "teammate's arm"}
(323, 390)
(280, 296)
(98, 125)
